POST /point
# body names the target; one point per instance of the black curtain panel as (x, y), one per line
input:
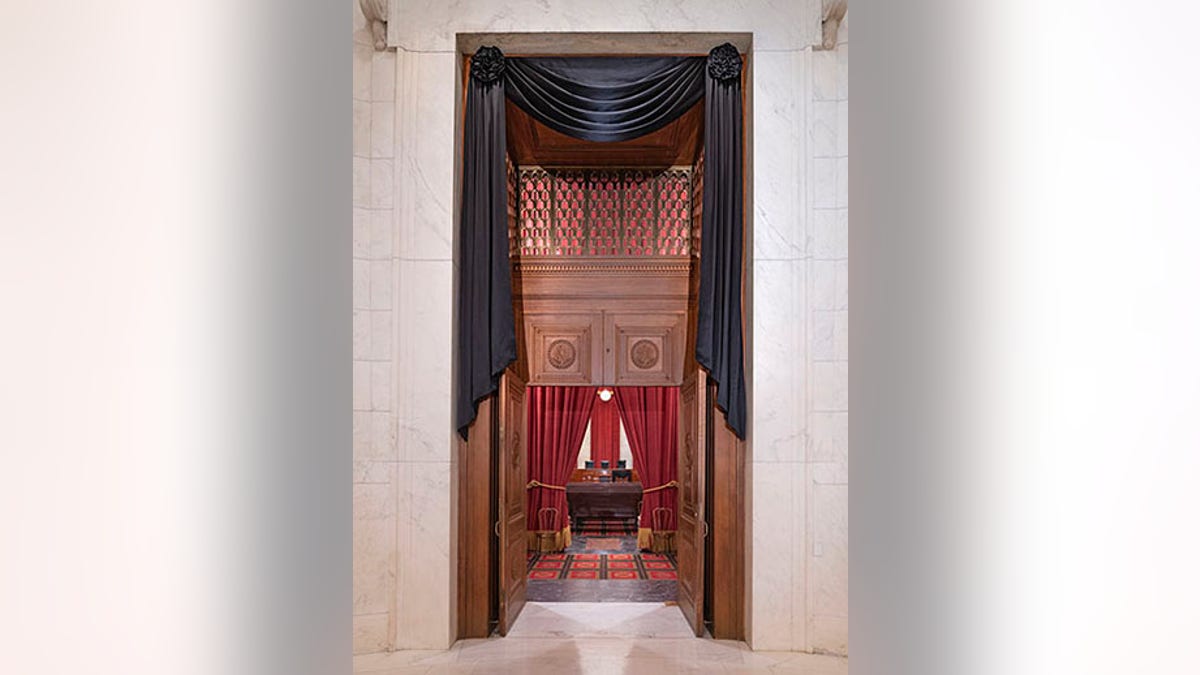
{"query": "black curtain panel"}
(719, 320)
(604, 99)
(487, 341)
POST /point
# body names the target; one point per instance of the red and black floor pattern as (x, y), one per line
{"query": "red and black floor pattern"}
(602, 566)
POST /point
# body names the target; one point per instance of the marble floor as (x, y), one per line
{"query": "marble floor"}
(601, 639)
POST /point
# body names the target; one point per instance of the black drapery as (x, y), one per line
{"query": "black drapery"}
(719, 310)
(605, 98)
(598, 99)
(487, 341)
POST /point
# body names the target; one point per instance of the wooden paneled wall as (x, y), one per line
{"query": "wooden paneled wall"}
(611, 321)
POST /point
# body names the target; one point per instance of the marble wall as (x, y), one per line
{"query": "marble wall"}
(405, 107)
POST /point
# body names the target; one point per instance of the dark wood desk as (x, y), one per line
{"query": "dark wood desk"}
(615, 501)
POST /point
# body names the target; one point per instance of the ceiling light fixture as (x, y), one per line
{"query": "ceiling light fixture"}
(606, 394)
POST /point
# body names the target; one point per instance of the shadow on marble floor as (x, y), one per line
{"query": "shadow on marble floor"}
(600, 639)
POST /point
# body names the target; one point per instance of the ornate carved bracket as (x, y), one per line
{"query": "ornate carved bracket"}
(376, 12)
(832, 13)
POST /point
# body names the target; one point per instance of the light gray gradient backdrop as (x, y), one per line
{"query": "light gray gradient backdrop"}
(175, 231)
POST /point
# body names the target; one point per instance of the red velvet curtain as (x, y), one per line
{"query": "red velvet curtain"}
(558, 418)
(651, 419)
(606, 432)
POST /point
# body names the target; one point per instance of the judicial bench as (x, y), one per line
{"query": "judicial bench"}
(593, 494)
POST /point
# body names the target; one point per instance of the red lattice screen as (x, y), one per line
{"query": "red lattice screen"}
(604, 212)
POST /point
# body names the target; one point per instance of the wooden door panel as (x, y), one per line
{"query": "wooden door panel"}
(644, 348)
(691, 527)
(510, 527)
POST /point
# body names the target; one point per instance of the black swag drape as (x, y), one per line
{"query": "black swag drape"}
(598, 99)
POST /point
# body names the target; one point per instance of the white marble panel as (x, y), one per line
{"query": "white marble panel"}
(383, 435)
(778, 136)
(361, 133)
(383, 76)
(361, 334)
(826, 72)
(361, 384)
(424, 357)
(374, 534)
(381, 335)
(828, 436)
(362, 434)
(382, 188)
(843, 128)
(830, 234)
(830, 386)
(430, 25)
(381, 385)
(425, 569)
(361, 189)
(825, 128)
(829, 335)
(369, 471)
(843, 183)
(383, 129)
(360, 271)
(381, 282)
(829, 555)
(361, 76)
(801, 537)
(778, 362)
(425, 163)
(825, 183)
(382, 227)
(830, 284)
(843, 72)
(830, 634)
(773, 581)
(370, 633)
(362, 232)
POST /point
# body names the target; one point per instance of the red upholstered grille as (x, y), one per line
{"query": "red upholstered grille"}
(604, 212)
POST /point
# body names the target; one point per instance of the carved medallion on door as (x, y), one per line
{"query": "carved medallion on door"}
(562, 348)
(647, 349)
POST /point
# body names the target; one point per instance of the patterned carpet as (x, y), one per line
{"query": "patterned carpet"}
(652, 566)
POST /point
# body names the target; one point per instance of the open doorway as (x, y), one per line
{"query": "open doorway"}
(604, 244)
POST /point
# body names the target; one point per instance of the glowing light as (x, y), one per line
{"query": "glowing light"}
(606, 395)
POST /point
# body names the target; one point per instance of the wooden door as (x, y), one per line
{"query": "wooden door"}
(691, 528)
(510, 526)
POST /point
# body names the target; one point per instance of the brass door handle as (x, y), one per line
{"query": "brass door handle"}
(496, 529)
(704, 535)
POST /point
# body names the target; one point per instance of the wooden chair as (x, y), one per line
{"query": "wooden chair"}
(546, 534)
(662, 540)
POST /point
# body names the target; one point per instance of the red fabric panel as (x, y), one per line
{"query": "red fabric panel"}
(651, 419)
(606, 432)
(557, 420)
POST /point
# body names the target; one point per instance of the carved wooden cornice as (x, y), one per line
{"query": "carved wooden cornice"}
(661, 266)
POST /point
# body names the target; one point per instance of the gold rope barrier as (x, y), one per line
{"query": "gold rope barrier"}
(664, 486)
(533, 483)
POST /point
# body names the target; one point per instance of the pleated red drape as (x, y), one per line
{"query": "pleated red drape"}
(651, 419)
(558, 418)
(606, 432)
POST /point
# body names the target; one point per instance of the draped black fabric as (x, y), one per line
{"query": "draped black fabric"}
(487, 341)
(719, 311)
(598, 99)
(605, 98)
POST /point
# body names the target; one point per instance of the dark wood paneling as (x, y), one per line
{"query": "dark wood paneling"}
(728, 529)
(644, 348)
(691, 528)
(512, 474)
(475, 578)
